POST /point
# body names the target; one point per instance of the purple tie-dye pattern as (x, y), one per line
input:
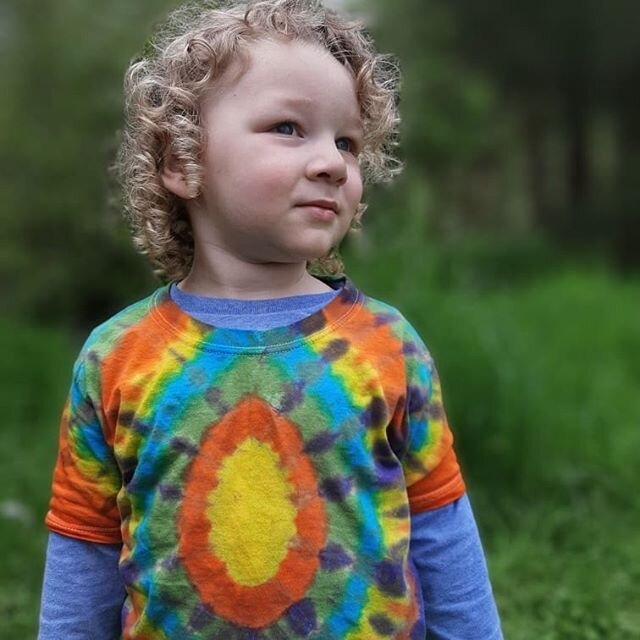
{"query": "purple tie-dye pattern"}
(334, 557)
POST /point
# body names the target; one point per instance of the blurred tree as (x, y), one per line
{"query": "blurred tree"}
(570, 56)
(550, 72)
(442, 119)
(64, 62)
(623, 92)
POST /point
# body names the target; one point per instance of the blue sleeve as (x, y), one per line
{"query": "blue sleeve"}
(82, 593)
(447, 553)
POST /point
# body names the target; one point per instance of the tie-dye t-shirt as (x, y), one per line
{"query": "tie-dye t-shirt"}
(261, 482)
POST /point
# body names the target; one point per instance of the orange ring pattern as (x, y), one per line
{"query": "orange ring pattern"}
(260, 605)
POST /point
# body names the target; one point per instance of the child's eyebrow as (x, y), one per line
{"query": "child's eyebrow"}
(294, 103)
(290, 101)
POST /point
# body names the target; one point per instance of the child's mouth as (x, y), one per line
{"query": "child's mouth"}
(323, 209)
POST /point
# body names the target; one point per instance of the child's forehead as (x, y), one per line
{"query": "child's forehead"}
(285, 54)
(290, 73)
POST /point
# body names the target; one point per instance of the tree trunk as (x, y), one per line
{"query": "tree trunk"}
(578, 156)
(534, 131)
(626, 208)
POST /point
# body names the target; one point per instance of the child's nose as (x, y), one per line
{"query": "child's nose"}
(327, 162)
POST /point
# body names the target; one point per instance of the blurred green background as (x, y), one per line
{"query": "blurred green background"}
(511, 242)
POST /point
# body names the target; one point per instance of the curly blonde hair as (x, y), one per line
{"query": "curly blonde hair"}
(164, 89)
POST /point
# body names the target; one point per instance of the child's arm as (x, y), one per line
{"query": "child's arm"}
(445, 545)
(447, 553)
(82, 593)
(81, 573)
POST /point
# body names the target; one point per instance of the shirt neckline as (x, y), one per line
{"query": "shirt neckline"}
(198, 335)
(190, 303)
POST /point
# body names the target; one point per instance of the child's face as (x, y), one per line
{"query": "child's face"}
(282, 180)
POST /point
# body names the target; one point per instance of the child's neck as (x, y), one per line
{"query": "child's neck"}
(246, 281)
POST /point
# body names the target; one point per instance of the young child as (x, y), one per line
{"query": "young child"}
(258, 450)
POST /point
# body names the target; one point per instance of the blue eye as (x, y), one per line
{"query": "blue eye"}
(285, 128)
(345, 144)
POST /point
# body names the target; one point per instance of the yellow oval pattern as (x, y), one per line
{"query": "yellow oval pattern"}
(251, 513)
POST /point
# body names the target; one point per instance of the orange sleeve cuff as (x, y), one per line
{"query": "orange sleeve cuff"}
(86, 533)
(441, 486)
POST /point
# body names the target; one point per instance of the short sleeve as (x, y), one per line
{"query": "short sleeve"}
(431, 469)
(86, 478)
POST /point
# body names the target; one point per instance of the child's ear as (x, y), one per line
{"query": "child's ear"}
(173, 179)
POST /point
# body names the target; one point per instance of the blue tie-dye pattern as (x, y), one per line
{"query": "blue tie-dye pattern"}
(332, 386)
(90, 438)
(349, 610)
(348, 614)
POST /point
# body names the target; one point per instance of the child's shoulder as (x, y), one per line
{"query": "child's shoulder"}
(390, 316)
(108, 332)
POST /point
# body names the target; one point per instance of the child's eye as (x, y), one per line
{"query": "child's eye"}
(285, 128)
(346, 144)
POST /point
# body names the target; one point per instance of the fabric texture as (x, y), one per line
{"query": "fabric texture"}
(82, 591)
(450, 563)
(250, 314)
(257, 478)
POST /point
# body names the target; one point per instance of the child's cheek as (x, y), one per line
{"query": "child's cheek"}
(275, 178)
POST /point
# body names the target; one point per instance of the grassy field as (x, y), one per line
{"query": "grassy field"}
(35, 369)
(541, 384)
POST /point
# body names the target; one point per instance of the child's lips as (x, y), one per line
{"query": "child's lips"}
(323, 209)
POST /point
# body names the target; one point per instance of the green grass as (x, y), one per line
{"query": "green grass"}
(35, 373)
(566, 571)
(540, 382)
